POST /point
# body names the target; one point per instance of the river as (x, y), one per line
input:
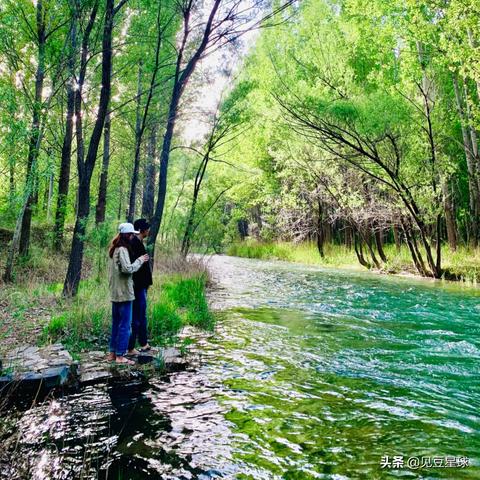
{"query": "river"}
(311, 373)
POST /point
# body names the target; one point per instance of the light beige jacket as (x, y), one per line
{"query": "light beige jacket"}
(120, 275)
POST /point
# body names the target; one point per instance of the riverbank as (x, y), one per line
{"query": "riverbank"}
(34, 311)
(463, 264)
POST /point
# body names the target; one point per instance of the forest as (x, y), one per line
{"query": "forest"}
(334, 123)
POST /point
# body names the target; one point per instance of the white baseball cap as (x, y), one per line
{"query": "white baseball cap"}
(126, 228)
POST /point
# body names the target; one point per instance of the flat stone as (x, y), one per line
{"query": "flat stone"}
(55, 362)
(31, 352)
(170, 354)
(95, 376)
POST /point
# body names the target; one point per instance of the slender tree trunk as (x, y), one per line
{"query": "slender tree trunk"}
(473, 134)
(347, 234)
(450, 217)
(379, 244)
(34, 146)
(138, 146)
(74, 270)
(11, 182)
(473, 189)
(396, 238)
(413, 252)
(148, 203)
(368, 243)
(182, 76)
(50, 196)
(64, 177)
(187, 237)
(357, 243)
(320, 235)
(8, 274)
(102, 189)
(438, 246)
(120, 200)
(162, 179)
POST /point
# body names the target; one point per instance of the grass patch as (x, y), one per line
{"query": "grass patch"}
(335, 255)
(175, 300)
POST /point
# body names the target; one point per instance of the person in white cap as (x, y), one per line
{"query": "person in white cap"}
(121, 291)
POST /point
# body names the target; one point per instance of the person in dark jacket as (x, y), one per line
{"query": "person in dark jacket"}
(142, 279)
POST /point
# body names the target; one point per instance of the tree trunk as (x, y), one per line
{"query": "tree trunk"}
(187, 237)
(472, 174)
(396, 237)
(357, 243)
(348, 236)
(34, 144)
(148, 203)
(102, 189)
(8, 275)
(138, 145)
(450, 218)
(473, 134)
(320, 233)
(379, 244)
(162, 179)
(182, 76)
(11, 183)
(50, 196)
(413, 252)
(368, 243)
(74, 270)
(64, 177)
(120, 200)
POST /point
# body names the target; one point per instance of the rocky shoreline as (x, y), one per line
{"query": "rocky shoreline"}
(28, 373)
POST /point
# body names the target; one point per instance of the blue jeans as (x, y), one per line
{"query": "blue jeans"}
(139, 319)
(121, 327)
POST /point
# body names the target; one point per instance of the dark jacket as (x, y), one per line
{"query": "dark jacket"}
(142, 278)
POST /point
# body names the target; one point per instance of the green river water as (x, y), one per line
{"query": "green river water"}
(311, 373)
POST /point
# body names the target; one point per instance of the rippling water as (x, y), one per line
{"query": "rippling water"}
(311, 374)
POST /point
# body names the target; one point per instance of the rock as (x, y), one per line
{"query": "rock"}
(32, 352)
(171, 354)
(32, 369)
(94, 376)
(29, 369)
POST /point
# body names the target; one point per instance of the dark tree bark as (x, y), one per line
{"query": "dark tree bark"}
(11, 181)
(187, 237)
(357, 243)
(320, 236)
(138, 146)
(102, 189)
(85, 169)
(379, 245)
(64, 176)
(396, 238)
(148, 202)
(34, 144)
(450, 217)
